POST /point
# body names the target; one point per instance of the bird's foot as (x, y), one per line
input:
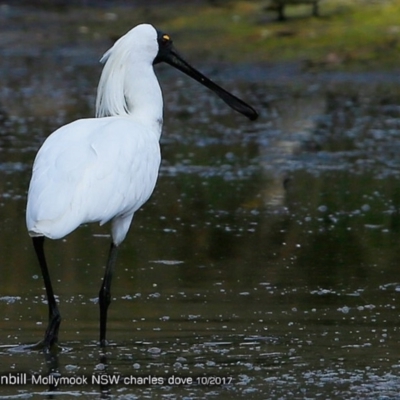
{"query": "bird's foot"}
(43, 346)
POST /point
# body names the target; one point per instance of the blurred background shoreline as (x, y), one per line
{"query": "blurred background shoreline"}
(356, 35)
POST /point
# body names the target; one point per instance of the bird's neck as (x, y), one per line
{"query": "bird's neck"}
(143, 97)
(131, 90)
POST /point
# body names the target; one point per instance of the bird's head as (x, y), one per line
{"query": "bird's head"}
(145, 43)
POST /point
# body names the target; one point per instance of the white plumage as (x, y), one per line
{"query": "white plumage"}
(104, 169)
(92, 170)
(97, 170)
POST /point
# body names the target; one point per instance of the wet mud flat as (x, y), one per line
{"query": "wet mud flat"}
(265, 264)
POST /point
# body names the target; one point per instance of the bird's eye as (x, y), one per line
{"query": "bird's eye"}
(165, 38)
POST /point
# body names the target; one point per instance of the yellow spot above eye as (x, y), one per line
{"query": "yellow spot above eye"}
(166, 37)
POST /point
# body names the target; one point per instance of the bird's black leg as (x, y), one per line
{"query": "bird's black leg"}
(104, 294)
(51, 335)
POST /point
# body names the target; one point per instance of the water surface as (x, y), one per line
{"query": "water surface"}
(267, 255)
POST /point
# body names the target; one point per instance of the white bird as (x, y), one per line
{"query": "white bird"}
(104, 169)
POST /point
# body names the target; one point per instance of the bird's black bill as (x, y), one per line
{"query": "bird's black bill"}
(171, 57)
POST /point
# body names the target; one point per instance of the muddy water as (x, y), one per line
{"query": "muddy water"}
(265, 264)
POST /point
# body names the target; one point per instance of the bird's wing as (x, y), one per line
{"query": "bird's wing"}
(91, 170)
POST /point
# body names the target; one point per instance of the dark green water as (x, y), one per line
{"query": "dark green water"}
(267, 255)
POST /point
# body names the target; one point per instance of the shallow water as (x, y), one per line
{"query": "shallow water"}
(265, 264)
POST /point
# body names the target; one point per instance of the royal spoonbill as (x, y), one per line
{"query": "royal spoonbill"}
(105, 168)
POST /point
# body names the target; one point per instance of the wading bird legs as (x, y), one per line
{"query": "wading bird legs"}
(104, 293)
(51, 335)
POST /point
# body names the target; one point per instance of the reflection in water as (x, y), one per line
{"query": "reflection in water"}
(258, 257)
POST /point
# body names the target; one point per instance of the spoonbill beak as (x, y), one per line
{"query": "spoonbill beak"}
(168, 54)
